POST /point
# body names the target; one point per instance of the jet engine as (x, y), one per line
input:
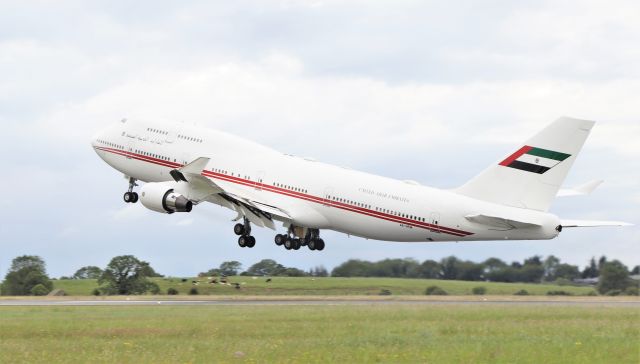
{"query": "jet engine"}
(160, 197)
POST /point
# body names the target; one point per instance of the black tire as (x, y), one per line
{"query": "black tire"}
(320, 244)
(238, 229)
(279, 239)
(128, 197)
(312, 244)
(242, 241)
(288, 244)
(297, 244)
(252, 242)
(135, 197)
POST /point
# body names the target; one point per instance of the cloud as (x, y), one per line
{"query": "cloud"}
(419, 90)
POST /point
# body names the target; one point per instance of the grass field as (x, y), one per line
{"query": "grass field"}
(313, 334)
(330, 286)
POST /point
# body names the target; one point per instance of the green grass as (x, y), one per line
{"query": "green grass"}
(456, 333)
(330, 286)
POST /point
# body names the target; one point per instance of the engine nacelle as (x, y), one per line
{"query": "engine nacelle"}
(160, 197)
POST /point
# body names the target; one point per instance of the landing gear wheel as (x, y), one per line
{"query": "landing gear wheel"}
(238, 229)
(296, 244)
(135, 197)
(319, 244)
(251, 242)
(312, 244)
(288, 244)
(279, 239)
(242, 241)
(128, 197)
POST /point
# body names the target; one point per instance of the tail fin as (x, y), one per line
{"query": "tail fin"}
(531, 177)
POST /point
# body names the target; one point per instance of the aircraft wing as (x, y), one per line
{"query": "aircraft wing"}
(583, 189)
(197, 188)
(591, 223)
(499, 222)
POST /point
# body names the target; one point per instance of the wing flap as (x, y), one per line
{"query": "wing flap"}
(499, 222)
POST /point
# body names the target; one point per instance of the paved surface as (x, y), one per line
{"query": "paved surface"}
(307, 302)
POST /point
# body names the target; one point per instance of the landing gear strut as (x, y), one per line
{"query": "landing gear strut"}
(130, 196)
(291, 242)
(244, 231)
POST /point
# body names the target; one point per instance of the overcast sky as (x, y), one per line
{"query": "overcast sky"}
(429, 91)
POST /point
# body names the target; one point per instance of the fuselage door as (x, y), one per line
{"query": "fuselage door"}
(328, 192)
(130, 143)
(434, 219)
(259, 180)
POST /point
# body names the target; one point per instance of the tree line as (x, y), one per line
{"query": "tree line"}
(127, 274)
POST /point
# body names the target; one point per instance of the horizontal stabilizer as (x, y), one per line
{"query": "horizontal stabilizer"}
(583, 189)
(501, 223)
(591, 223)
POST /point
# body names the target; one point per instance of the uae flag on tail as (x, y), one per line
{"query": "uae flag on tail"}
(536, 160)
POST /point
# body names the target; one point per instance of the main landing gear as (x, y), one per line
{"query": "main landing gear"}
(130, 196)
(311, 240)
(244, 231)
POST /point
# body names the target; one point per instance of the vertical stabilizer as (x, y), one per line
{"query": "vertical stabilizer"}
(531, 177)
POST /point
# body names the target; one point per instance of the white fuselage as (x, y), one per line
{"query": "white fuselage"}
(315, 194)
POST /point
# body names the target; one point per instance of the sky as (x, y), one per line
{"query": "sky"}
(431, 91)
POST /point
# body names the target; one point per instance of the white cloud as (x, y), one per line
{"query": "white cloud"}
(355, 83)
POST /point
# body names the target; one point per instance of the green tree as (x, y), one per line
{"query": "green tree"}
(352, 268)
(566, 271)
(493, 264)
(26, 272)
(429, 269)
(230, 268)
(534, 260)
(318, 271)
(266, 267)
(613, 276)
(88, 272)
(449, 267)
(126, 275)
(147, 271)
(550, 265)
(591, 271)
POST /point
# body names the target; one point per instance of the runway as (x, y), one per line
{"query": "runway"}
(315, 302)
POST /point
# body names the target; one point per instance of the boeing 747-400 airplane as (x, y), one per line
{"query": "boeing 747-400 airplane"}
(184, 166)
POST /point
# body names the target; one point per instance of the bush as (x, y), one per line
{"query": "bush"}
(522, 292)
(95, 292)
(479, 290)
(563, 282)
(172, 291)
(435, 291)
(39, 290)
(559, 293)
(614, 292)
(193, 291)
(384, 292)
(632, 291)
(592, 293)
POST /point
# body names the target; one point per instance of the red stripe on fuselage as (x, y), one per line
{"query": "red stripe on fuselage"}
(515, 155)
(295, 194)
